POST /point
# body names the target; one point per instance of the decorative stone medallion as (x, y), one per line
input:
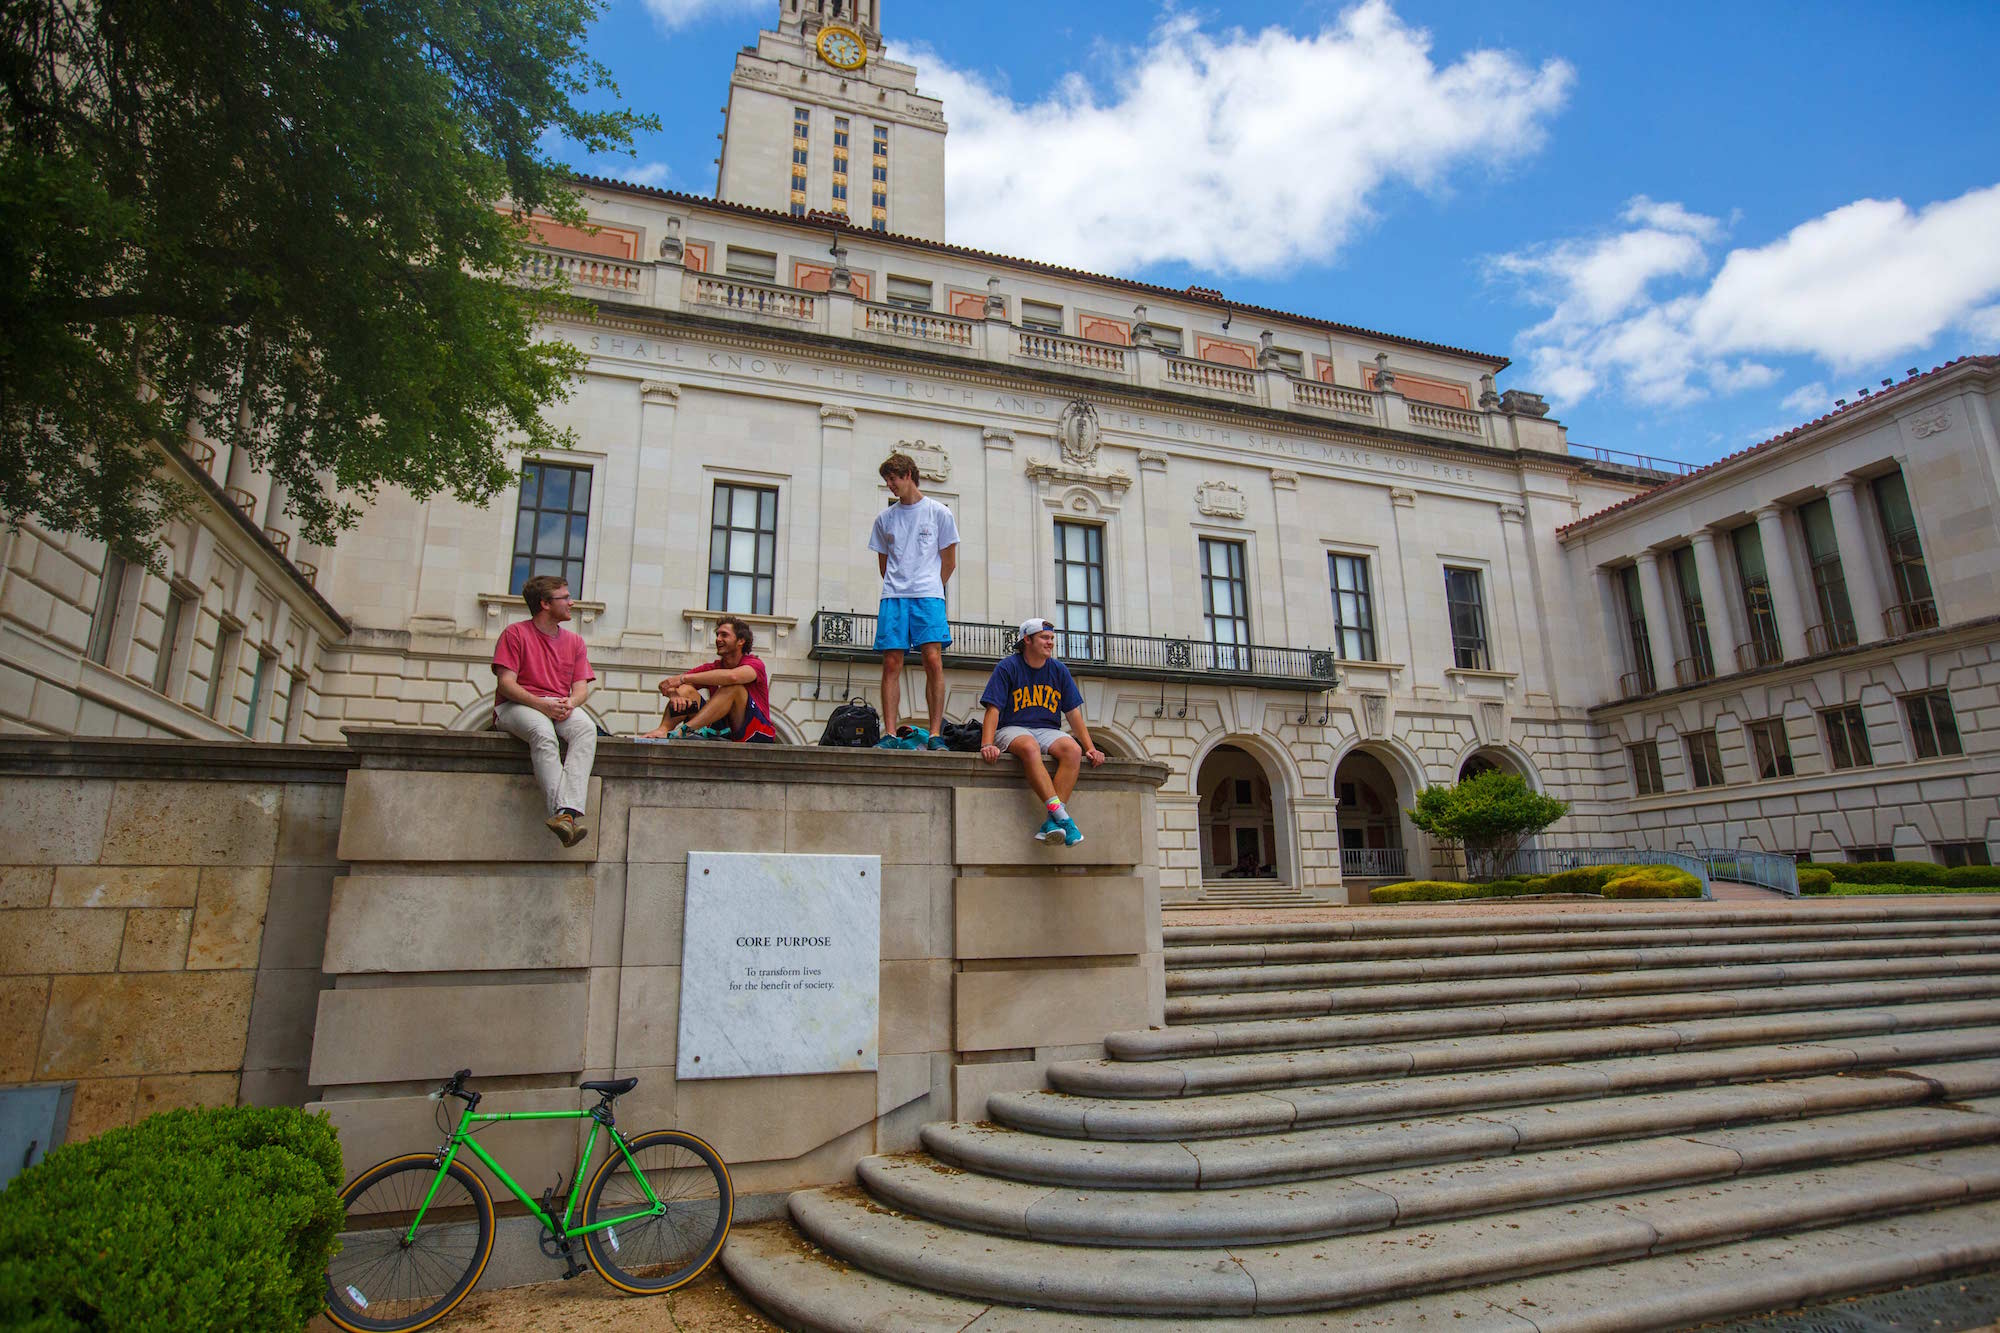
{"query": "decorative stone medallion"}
(933, 463)
(1935, 421)
(1079, 433)
(1219, 499)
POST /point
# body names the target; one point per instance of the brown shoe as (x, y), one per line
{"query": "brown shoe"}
(577, 833)
(563, 824)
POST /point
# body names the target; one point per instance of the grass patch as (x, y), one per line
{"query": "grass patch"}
(1867, 890)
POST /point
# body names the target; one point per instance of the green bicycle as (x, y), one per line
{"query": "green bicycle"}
(419, 1227)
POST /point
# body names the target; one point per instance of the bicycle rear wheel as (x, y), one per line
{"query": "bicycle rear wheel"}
(380, 1282)
(654, 1254)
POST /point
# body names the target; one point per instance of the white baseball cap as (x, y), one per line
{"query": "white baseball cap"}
(1036, 625)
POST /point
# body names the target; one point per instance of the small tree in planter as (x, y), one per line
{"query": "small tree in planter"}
(1492, 814)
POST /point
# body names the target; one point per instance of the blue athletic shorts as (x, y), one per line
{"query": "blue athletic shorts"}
(907, 622)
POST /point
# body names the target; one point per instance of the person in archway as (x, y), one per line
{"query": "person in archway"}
(542, 673)
(738, 707)
(1028, 697)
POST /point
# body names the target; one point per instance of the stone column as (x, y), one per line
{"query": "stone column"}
(1714, 603)
(1785, 603)
(1659, 625)
(1858, 561)
(651, 499)
(837, 533)
(1003, 489)
(1619, 649)
(243, 475)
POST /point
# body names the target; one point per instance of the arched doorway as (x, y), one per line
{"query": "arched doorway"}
(1495, 759)
(1238, 816)
(1370, 818)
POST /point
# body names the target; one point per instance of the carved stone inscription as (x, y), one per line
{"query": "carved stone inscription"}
(780, 965)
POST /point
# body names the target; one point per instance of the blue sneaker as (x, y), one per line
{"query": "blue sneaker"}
(1050, 831)
(895, 743)
(938, 743)
(1071, 834)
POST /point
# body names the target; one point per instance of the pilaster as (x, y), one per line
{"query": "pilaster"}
(1857, 558)
(1778, 569)
(1160, 555)
(837, 534)
(650, 499)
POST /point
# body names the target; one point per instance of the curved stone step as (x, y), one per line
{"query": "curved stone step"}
(1280, 953)
(1196, 1075)
(807, 1289)
(922, 1186)
(1336, 1030)
(1358, 1269)
(1296, 976)
(1227, 1115)
(1249, 1006)
(1218, 1163)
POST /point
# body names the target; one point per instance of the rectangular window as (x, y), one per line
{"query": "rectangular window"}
(222, 690)
(1829, 582)
(1467, 611)
(743, 549)
(840, 131)
(1041, 316)
(1769, 748)
(551, 529)
(260, 684)
(1646, 779)
(1764, 647)
(1635, 630)
(756, 265)
(1225, 601)
(1080, 589)
(881, 141)
(1915, 607)
(798, 180)
(840, 191)
(170, 638)
(879, 222)
(1704, 759)
(798, 161)
(1860, 856)
(1693, 619)
(881, 173)
(1933, 726)
(110, 598)
(295, 709)
(913, 293)
(1353, 609)
(1954, 854)
(1847, 737)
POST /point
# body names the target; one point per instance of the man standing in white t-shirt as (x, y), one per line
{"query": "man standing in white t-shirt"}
(915, 542)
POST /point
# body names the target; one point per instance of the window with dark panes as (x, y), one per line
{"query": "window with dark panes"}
(179, 613)
(1764, 645)
(1770, 749)
(1906, 554)
(1080, 590)
(260, 692)
(1954, 854)
(1353, 608)
(1704, 759)
(1646, 779)
(221, 688)
(1693, 619)
(1635, 629)
(110, 597)
(1465, 606)
(1872, 855)
(1225, 601)
(552, 525)
(743, 549)
(1829, 581)
(1933, 725)
(1847, 737)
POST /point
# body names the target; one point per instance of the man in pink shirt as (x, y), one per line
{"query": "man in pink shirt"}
(544, 677)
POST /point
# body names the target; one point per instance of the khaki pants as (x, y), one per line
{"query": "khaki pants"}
(563, 774)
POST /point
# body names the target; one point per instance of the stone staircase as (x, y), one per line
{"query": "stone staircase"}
(1483, 1120)
(1239, 893)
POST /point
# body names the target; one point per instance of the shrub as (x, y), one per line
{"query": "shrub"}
(1491, 812)
(1973, 877)
(219, 1218)
(1815, 879)
(1886, 872)
(1585, 879)
(1423, 891)
(1861, 890)
(1653, 882)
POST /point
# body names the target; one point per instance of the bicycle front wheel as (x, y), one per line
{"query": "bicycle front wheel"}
(649, 1255)
(383, 1280)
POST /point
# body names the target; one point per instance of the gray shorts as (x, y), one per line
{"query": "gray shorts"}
(1044, 736)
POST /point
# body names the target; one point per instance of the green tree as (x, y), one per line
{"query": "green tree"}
(1491, 814)
(276, 222)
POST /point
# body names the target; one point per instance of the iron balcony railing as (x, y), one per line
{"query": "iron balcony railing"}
(1373, 862)
(1909, 617)
(1767, 870)
(849, 636)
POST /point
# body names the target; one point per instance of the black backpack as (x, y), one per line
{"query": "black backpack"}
(855, 724)
(964, 736)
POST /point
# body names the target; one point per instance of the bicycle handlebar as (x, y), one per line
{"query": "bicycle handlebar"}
(455, 1087)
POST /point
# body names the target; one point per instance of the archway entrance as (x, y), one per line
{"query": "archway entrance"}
(1487, 759)
(1238, 817)
(1370, 818)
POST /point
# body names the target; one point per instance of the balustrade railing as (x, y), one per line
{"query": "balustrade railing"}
(1208, 375)
(281, 540)
(1909, 617)
(849, 636)
(1333, 398)
(583, 270)
(1373, 862)
(1767, 870)
(751, 298)
(918, 325)
(1070, 351)
(1434, 417)
(1826, 638)
(1644, 462)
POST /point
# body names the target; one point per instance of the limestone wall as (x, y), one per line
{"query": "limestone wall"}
(162, 911)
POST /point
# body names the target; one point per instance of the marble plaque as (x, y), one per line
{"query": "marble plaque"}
(781, 965)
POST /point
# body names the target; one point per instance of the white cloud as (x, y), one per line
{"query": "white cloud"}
(1808, 400)
(1235, 152)
(672, 14)
(657, 174)
(1865, 282)
(1983, 325)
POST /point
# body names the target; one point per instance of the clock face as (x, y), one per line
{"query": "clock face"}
(842, 48)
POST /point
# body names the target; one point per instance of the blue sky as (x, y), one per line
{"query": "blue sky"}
(1691, 226)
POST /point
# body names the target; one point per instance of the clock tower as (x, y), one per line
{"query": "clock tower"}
(819, 121)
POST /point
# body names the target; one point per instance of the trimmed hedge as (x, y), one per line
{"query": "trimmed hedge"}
(1815, 879)
(1973, 877)
(1443, 890)
(1654, 882)
(1861, 890)
(1586, 879)
(1907, 872)
(213, 1219)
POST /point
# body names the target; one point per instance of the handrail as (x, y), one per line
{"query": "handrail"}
(1551, 860)
(1644, 462)
(1768, 870)
(1373, 862)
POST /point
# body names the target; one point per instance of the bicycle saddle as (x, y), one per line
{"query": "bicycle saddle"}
(610, 1087)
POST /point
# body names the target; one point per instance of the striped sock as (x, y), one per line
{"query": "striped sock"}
(1056, 810)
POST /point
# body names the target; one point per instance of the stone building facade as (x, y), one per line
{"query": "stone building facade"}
(1309, 567)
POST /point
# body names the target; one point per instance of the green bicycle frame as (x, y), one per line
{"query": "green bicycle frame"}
(562, 1228)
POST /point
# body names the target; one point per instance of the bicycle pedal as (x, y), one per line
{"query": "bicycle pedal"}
(574, 1268)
